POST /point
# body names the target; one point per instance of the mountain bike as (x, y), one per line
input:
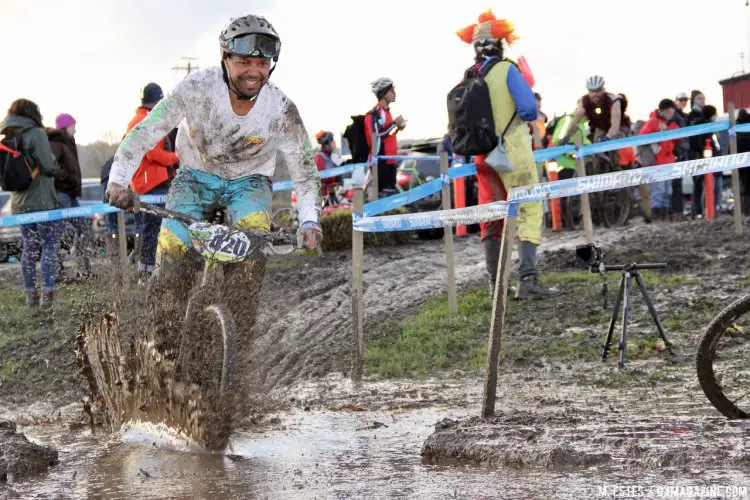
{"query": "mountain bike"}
(723, 360)
(191, 388)
(611, 208)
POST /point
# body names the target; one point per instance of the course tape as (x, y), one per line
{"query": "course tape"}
(406, 157)
(548, 190)
(541, 155)
(105, 208)
(626, 178)
(431, 220)
(745, 127)
(325, 174)
(415, 194)
(72, 213)
(399, 200)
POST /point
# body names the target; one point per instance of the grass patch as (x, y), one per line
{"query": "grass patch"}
(35, 347)
(7, 372)
(435, 339)
(573, 329)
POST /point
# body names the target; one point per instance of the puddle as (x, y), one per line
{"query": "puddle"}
(374, 449)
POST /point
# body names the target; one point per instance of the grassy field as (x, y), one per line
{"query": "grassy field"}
(571, 328)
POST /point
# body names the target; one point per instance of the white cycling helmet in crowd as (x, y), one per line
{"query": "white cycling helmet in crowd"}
(594, 83)
(381, 86)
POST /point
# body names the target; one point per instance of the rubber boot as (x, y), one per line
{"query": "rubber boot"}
(491, 258)
(530, 287)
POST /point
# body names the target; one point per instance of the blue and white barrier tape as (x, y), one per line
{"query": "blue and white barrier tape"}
(626, 178)
(58, 214)
(406, 157)
(399, 200)
(71, 213)
(431, 220)
(462, 171)
(557, 189)
(541, 155)
(666, 135)
(325, 174)
(415, 194)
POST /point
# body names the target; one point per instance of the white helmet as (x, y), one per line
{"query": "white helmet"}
(594, 83)
(380, 86)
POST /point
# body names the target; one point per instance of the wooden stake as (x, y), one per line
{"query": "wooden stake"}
(358, 337)
(498, 314)
(450, 261)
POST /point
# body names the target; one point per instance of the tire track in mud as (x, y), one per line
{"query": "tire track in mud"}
(304, 325)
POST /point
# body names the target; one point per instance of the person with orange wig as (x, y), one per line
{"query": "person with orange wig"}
(513, 107)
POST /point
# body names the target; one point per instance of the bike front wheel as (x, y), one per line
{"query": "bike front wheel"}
(723, 360)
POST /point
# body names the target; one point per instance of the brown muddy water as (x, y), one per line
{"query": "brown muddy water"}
(564, 438)
(564, 428)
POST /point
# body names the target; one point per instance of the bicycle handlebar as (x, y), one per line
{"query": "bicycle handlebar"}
(273, 238)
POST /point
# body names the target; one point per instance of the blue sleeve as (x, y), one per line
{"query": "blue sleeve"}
(522, 95)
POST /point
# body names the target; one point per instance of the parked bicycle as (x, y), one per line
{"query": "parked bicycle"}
(723, 360)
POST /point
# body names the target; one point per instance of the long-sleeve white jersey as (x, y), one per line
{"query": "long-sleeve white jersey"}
(214, 139)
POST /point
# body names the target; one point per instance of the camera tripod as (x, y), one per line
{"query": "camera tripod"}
(629, 271)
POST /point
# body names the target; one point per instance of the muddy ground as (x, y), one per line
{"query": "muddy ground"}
(559, 407)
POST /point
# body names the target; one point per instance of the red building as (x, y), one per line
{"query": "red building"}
(737, 90)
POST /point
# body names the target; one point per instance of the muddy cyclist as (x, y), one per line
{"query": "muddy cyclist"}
(233, 123)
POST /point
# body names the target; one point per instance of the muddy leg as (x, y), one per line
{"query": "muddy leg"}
(242, 285)
(168, 291)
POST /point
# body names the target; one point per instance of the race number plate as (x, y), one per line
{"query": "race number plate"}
(217, 243)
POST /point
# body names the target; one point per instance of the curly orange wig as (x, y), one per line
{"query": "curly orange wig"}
(488, 26)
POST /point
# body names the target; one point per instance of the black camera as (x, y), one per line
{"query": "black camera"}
(589, 255)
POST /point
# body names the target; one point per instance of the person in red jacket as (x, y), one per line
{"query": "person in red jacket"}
(324, 161)
(152, 177)
(379, 122)
(664, 152)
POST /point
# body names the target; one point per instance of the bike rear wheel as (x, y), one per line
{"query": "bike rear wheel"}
(724, 376)
(617, 206)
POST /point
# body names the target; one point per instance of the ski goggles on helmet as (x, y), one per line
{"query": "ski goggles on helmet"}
(255, 45)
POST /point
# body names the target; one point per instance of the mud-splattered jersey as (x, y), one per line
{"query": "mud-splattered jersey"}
(214, 139)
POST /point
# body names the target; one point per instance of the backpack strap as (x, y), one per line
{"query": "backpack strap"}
(502, 137)
(488, 64)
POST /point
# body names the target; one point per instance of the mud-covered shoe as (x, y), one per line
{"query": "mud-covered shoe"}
(531, 288)
(491, 284)
(48, 301)
(32, 299)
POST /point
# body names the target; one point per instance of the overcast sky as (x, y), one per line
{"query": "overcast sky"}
(90, 58)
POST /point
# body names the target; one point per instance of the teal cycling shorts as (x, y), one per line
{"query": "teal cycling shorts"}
(196, 193)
